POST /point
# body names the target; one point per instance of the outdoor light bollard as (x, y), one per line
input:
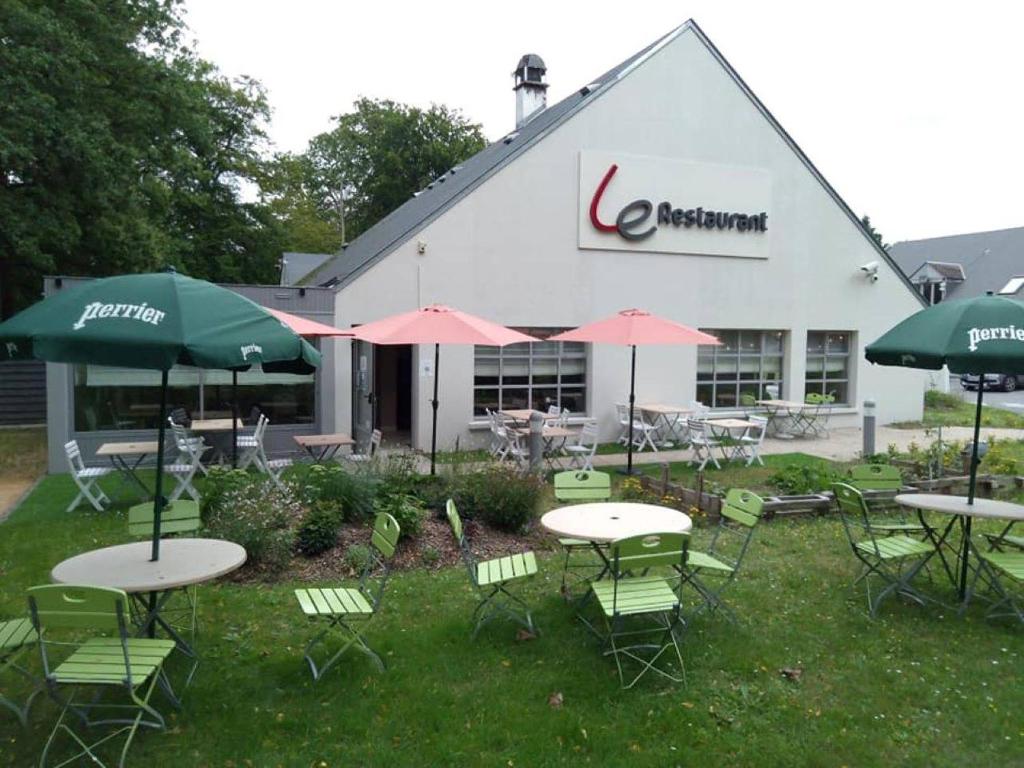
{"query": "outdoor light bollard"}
(869, 428)
(536, 440)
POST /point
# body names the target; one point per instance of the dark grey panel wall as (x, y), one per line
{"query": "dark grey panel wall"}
(22, 392)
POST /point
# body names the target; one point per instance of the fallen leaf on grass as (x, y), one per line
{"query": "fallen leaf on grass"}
(525, 634)
(792, 673)
(555, 700)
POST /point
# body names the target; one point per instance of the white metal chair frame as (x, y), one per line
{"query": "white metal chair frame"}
(85, 478)
(249, 445)
(749, 445)
(581, 455)
(371, 449)
(703, 443)
(187, 446)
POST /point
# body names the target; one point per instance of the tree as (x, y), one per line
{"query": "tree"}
(120, 150)
(380, 154)
(875, 234)
(284, 184)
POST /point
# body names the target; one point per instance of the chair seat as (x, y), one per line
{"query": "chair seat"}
(1013, 541)
(896, 547)
(889, 526)
(177, 469)
(507, 568)
(358, 457)
(244, 442)
(1010, 563)
(697, 559)
(16, 633)
(645, 594)
(95, 471)
(100, 661)
(567, 542)
(578, 448)
(334, 601)
(279, 463)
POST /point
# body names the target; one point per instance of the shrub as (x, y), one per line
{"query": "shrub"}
(352, 492)
(318, 531)
(800, 479)
(356, 557)
(221, 483)
(1000, 459)
(430, 556)
(407, 511)
(941, 401)
(499, 496)
(261, 517)
(433, 491)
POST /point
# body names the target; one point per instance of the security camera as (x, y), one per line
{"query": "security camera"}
(870, 269)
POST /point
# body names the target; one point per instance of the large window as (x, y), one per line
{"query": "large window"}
(737, 371)
(531, 375)
(129, 398)
(828, 364)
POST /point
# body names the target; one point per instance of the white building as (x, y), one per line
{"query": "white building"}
(664, 184)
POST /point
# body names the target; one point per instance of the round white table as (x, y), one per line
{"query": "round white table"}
(183, 563)
(990, 509)
(607, 521)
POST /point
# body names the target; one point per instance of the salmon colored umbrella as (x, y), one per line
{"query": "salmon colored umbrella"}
(438, 324)
(633, 327)
(307, 328)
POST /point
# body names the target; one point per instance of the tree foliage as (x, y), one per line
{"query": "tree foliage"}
(121, 150)
(377, 156)
(875, 234)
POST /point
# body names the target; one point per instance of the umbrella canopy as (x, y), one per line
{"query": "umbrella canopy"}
(155, 321)
(984, 334)
(438, 324)
(632, 328)
(307, 328)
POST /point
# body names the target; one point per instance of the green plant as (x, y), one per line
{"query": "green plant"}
(261, 517)
(407, 511)
(499, 496)
(1000, 459)
(941, 401)
(318, 531)
(353, 492)
(356, 557)
(430, 557)
(797, 480)
(221, 483)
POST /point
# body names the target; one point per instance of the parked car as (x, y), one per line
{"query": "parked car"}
(1007, 382)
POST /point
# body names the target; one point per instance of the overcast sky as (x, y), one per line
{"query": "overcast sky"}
(911, 110)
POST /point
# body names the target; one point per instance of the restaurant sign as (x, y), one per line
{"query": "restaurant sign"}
(643, 203)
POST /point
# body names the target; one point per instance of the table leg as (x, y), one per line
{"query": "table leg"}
(128, 475)
(586, 597)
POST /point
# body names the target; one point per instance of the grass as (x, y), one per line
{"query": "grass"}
(22, 453)
(913, 687)
(948, 410)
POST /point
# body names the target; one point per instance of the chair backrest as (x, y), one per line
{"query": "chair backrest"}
(698, 429)
(650, 550)
(375, 439)
(748, 400)
(743, 507)
(583, 486)
(180, 435)
(876, 477)
(738, 519)
(813, 398)
(78, 608)
(180, 516)
(179, 416)
(74, 455)
(563, 418)
(554, 410)
(460, 538)
(588, 435)
(622, 412)
(384, 540)
(760, 424)
(853, 511)
(772, 390)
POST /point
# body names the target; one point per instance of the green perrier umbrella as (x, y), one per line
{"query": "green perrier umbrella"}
(980, 335)
(155, 321)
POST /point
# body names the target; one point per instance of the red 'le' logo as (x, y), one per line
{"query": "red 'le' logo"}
(596, 201)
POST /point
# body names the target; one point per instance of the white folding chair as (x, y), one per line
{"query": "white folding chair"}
(643, 432)
(371, 449)
(703, 443)
(184, 473)
(772, 390)
(187, 446)
(515, 449)
(85, 478)
(249, 445)
(554, 410)
(622, 414)
(749, 444)
(581, 454)
(273, 467)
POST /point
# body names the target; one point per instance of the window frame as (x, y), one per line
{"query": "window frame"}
(738, 382)
(823, 357)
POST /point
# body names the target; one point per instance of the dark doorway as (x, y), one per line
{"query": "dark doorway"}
(393, 384)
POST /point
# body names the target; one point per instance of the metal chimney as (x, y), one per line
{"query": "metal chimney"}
(530, 88)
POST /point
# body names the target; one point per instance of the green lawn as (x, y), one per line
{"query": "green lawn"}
(914, 687)
(943, 410)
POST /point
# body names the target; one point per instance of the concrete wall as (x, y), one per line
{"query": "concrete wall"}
(313, 303)
(509, 252)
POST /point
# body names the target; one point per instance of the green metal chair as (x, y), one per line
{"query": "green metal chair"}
(643, 613)
(883, 477)
(492, 580)
(348, 611)
(1002, 569)
(583, 486)
(896, 559)
(739, 516)
(17, 636)
(109, 662)
(996, 541)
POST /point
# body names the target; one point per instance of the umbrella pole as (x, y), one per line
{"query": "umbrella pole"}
(158, 501)
(966, 520)
(234, 419)
(433, 404)
(632, 398)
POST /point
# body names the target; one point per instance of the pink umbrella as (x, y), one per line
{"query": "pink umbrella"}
(632, 327)
(438, 324)
(304, 327)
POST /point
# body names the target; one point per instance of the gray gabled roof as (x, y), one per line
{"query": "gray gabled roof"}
(425, 206)
(988, 259)
(296, 265)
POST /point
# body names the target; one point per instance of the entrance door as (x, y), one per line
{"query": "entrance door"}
(363, 397)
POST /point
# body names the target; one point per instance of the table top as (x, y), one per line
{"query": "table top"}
(319, 441)
(127, 449)
(793, 405)
(731, 423)
(127, 566)
(525, 413)
(662, 408)
(608, 521)
(957, 505)
(214, 425)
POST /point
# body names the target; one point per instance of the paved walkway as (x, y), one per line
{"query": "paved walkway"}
(843, 444)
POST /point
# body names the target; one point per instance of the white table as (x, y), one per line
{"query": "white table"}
(606, 521)
(119, 455)
(218, 431)
(665, 419)
(183, 563)
(957, 506)
(323, 448)
(722, 428)
(791, 413)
